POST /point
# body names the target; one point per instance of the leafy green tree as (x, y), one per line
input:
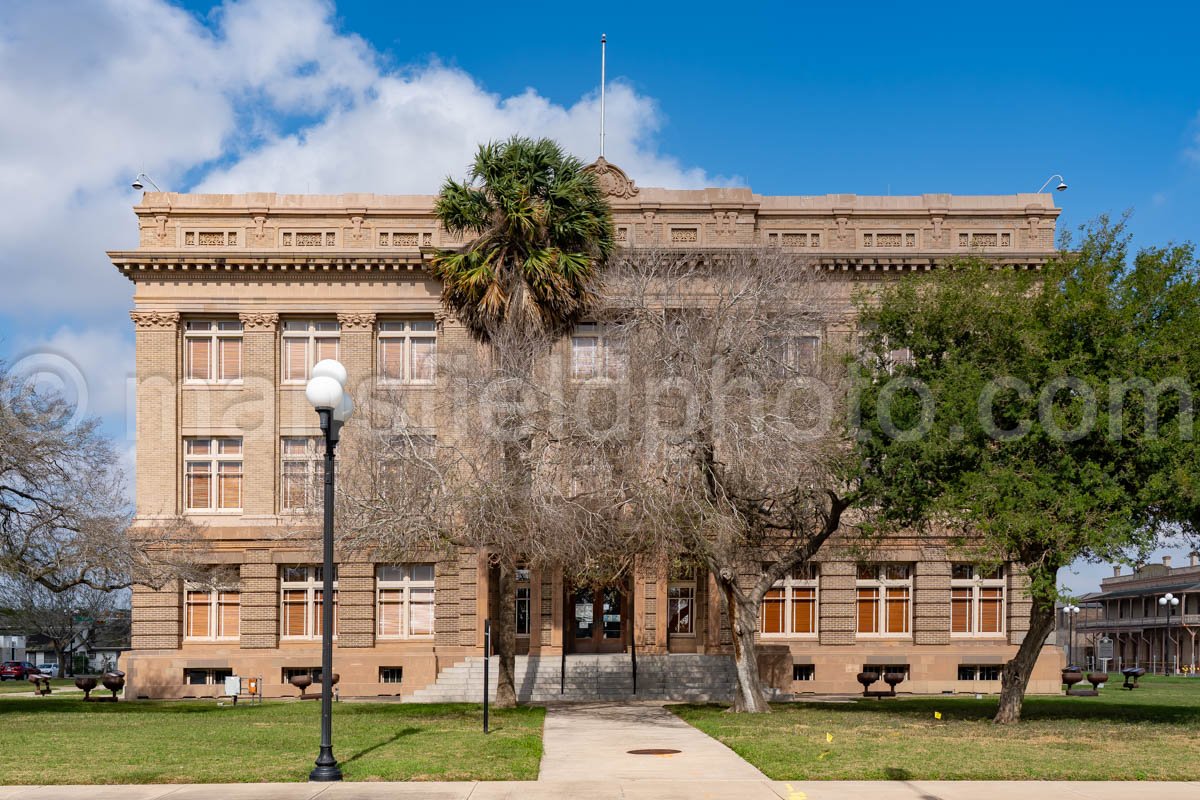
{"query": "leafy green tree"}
(538, 230)
(1047, 414)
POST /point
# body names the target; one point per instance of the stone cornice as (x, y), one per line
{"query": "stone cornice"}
(155, 320)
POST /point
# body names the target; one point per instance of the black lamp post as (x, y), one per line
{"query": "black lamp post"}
(1170, 602)
(326, 392)
(1071, 610)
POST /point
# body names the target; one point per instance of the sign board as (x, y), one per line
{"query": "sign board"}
(233, 685)
(1104, 648)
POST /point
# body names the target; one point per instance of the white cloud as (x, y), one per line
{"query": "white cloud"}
(90, 366)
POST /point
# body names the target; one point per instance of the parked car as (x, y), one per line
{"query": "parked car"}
(16, 670)
(49, 669)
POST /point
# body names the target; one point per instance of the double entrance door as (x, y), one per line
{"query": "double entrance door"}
(598, 619)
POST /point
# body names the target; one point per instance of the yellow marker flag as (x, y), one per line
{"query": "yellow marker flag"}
(829, 737)
(937, 715)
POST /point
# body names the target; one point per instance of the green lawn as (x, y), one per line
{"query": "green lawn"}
(1152, 733)
(15, 687)
(64, 740)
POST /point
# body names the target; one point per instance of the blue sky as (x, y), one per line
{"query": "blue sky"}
(796, 98)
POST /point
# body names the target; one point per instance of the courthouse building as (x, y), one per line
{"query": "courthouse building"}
(237, 296)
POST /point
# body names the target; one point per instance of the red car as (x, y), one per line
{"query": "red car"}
(17, 670)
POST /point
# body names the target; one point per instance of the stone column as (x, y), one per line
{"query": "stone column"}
(357, 352)
(156, 622)
(446, 601)
(260, 601)
(257, 417)
(836, 604)
(931, 600)
(356, 604)
(159, 464)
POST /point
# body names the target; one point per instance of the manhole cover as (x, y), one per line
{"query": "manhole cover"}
(653, 751)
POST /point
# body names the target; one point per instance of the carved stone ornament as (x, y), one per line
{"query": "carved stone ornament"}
(259, 321)
(612, 179)
(356, 321)
(155, 320)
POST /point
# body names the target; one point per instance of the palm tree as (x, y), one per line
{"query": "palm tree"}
(538, 231)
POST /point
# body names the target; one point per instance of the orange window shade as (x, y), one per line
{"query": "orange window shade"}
(391, 607)
(229, 484)
(420, 621)
(294, 606)
(199, 360)
(295, 358)
(231, 359)
(326, 348)
(991, 610)
(199, 485)
(424, 359)
(391, 359)
(198, 614)
(868, 611)
(772, 611)
(804, 607)
(897, 611)
(319, 613)
(960, 611)
(294, 485)
(230, 606)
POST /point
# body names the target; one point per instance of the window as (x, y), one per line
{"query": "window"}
(884, 599)
(211, 613)
(213, 351)
(979, 672)
(408, 351)
(305, 342)
(391, 674)
(301, 594)
(524, 576)
(976, 601)
(792, 354)
(804, 672)
(213, 474)
(789, 608)
(206, 677)
(597, 353)
(404, 600)
(299, 472)
(681, 604)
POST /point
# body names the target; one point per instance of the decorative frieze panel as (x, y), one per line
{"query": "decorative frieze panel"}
(790, 239)
(201, 238)
(308, 239)
(985, 239)
(622, 233)
(889, 239)
(685, 235)
(400, 239)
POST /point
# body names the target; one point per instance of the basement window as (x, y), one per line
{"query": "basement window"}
(391, 674)
(803, 672)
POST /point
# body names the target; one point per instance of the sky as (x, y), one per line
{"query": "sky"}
(787, 98)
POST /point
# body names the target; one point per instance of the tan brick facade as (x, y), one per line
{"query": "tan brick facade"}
(360, 259)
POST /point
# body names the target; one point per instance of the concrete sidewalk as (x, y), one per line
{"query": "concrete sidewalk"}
(603, 789)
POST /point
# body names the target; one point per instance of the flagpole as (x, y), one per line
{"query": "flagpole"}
(603, 47)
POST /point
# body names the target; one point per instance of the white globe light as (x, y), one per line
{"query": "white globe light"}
(1162, 601)
(345, 409)
(329, 368)
(324, 392)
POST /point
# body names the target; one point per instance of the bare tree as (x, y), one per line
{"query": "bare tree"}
(64, 617)
(736, 419)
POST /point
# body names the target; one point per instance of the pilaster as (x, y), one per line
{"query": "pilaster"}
(260, 601)
(259, 423)
(157, 379)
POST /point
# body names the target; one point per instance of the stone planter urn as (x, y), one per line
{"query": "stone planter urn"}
(893, 678)
(301, 682)
(113, 681)
(1070, 677)
(1097, 679)
(86, 683)
(866, 679)
(334, 677)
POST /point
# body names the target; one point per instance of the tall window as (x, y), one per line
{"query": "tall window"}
(408, 351)
(305, 342)
(597, 353)
(524, 612)
(213, 350)
(299, 472)
(789, 608)
(681, 602)
(211, 613)
(792, 355)
(404, 600)
(976, 600)
(301, 594)
(213, 474)
(884, 599)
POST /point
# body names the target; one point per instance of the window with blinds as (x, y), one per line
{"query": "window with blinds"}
(212, 351)
(300, 473)
(789, 608)
(597, 352)
(408, 351)
(211, 613)
(884, 600)
(301, 595)
(976, 600)
(404, 595)
(305, 342)
(213, 474)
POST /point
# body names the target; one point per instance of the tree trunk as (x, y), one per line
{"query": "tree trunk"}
(1015, 679)
(64, 669)
(743, 622)
(504, 636)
